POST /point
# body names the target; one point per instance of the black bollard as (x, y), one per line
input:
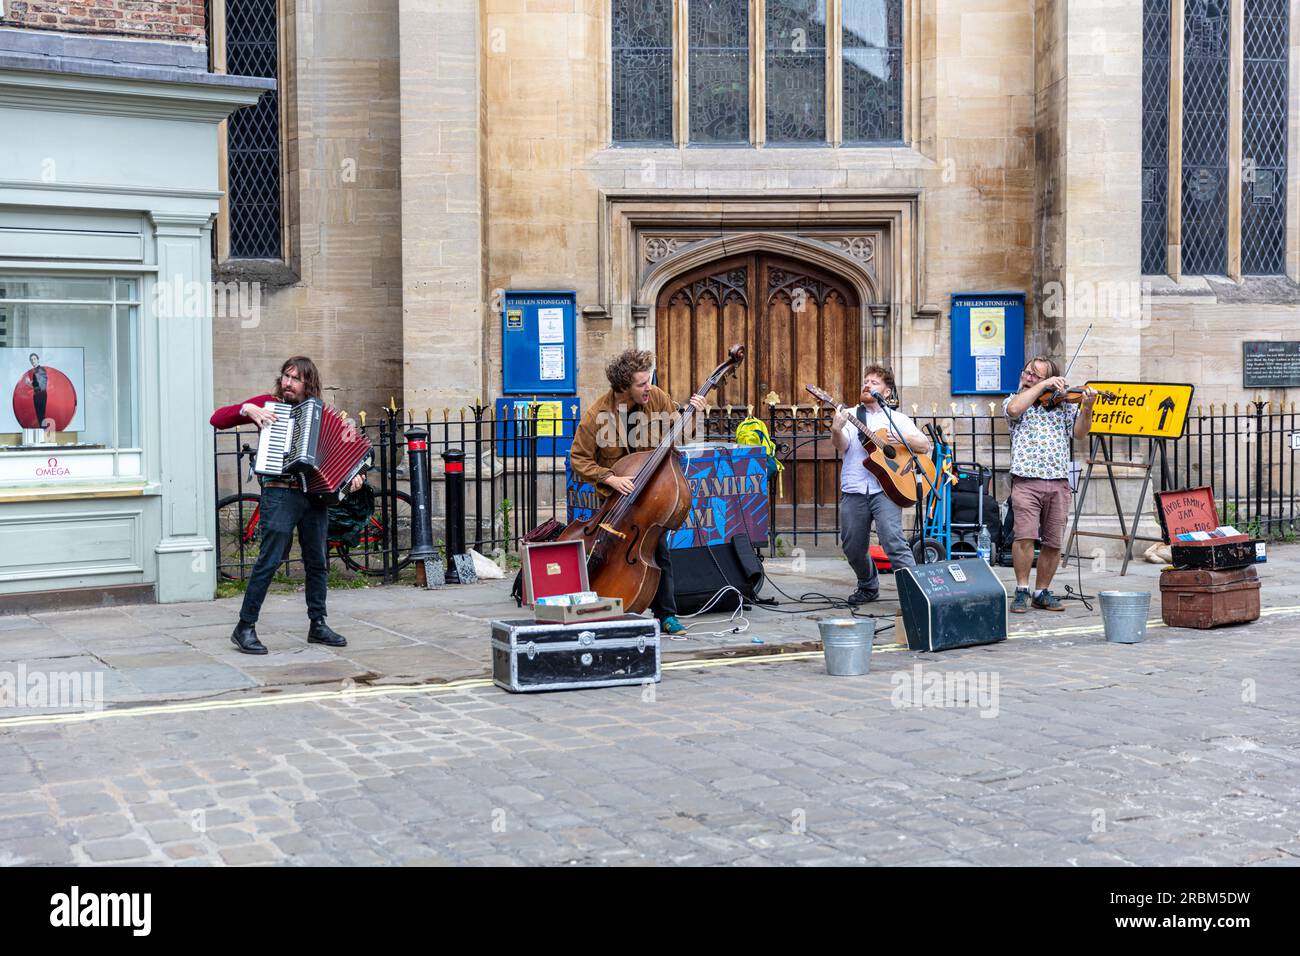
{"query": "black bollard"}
(430, 571)
(460, 566)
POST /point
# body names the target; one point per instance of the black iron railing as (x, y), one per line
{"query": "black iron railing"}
(515, 474)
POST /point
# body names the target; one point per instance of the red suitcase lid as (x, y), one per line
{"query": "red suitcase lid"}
(554, 567)
(1189, 509)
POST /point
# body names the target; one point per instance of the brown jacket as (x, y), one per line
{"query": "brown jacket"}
(608, 433)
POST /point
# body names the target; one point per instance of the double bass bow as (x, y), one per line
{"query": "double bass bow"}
(622, 535)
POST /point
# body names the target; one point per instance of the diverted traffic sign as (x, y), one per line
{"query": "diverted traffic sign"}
(1141, 409)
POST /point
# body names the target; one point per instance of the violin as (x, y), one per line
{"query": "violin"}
(1071, 396)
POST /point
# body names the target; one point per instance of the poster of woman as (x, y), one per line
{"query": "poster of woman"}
(47, 383)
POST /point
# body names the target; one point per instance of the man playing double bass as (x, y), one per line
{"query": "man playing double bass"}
(632, 416)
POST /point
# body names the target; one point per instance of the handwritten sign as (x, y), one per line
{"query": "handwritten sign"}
(1141, 409)
(1186, 511)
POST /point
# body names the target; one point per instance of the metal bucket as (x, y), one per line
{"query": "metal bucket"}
(1124, 615)
(846, 645)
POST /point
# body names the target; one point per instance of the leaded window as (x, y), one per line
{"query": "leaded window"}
(1206, 47)
(803, 73)
(1264, 138)
(253, 133)
(1155, 136)
(719, 71)
(872, 38)
(643, 71)
(1231, 145)
(796, 71)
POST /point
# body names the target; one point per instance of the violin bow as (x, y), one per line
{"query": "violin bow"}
(1066, 376)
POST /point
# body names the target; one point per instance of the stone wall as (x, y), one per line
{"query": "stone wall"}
(151, 19)
(344, 305)
(546, 66)
(444, 302)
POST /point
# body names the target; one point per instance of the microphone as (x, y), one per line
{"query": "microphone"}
(878, 397)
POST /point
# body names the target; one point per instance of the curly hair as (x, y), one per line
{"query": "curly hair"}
(306, 370)
(621, 370)
(885, 374)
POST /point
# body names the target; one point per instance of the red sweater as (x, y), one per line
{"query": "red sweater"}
(229, 417)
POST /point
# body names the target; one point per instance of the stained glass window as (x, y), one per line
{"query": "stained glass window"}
(718, 41)
(796, 71)
(643, 71)
(253, 133)
(1205, 137)
(1264, 138)
(873, 71)
(1155, 136)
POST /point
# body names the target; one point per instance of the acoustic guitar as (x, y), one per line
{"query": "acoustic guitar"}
(896, 467)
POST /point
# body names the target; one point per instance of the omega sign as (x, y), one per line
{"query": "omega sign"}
(53, 469)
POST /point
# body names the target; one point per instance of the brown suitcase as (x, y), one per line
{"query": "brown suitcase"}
(1204, 599)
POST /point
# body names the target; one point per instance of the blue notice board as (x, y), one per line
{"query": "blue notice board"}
(550, 420)
(539, 343)
(988, 342)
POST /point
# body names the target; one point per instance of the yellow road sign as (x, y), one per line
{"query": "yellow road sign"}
(1142, 409)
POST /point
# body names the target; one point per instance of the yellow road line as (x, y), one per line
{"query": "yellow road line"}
(348, 694)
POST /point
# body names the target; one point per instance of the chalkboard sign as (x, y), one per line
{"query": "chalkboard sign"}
(1270, 364)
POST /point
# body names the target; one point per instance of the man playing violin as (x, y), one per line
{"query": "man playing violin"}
(862, 501)
(1041, 430)
(632, 416)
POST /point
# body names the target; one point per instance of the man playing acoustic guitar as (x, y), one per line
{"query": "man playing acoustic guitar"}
(862, 500)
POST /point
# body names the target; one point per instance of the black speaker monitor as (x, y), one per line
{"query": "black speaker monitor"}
(700, 573)
(952, 604)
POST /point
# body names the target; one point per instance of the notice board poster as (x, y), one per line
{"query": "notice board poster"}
(539, 343)
(988, 342)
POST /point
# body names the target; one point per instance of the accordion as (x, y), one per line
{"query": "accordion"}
(313, 443)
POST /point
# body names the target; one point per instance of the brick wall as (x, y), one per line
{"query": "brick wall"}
(140, 18)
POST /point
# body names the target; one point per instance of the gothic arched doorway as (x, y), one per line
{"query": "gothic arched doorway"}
(800, 325)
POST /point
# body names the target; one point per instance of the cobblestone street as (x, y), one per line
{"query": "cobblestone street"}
(1180, 750)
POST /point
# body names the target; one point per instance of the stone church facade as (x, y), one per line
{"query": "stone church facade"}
(685, 166)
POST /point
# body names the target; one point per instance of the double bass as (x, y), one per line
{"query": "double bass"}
(622, 535)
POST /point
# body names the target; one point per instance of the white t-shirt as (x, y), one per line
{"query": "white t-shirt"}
(854, 476)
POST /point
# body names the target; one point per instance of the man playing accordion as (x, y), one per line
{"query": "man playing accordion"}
(284, 507)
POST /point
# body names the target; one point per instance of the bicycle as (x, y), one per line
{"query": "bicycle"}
(237, 520)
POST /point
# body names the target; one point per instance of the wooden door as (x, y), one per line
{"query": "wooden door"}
(799, 325)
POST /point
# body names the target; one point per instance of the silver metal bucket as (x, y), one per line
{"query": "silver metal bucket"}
(1124, 615)
(846, 645)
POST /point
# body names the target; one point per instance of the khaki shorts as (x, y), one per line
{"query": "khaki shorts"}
(1042, 507)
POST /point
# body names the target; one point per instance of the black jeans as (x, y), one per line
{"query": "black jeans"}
(665, 599)
(282, 510)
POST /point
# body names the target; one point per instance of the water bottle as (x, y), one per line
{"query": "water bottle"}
(985, 544)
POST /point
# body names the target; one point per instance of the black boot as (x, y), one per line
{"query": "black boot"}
(322, 633)
(245, 638)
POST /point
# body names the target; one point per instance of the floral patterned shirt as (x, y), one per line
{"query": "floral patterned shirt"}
(1040, 440)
